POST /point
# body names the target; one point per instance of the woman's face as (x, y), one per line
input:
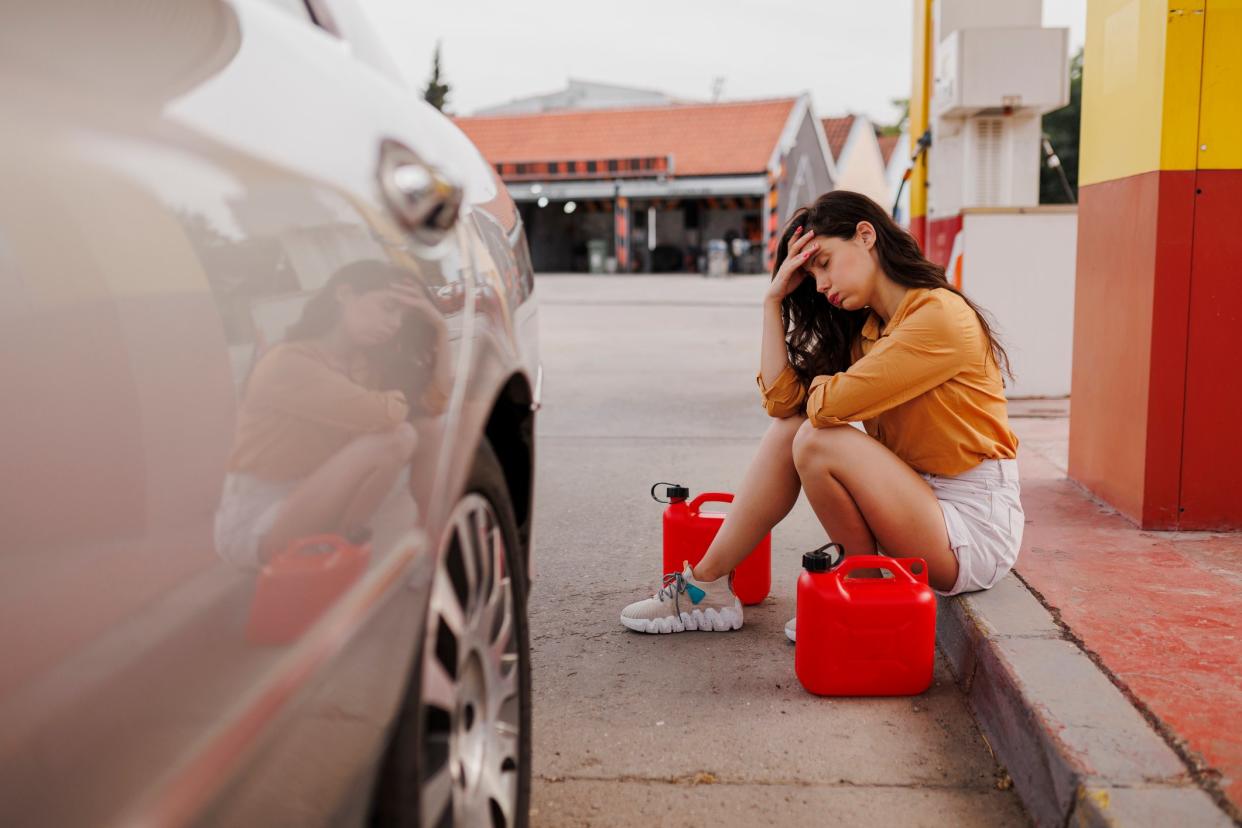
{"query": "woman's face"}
(370, 318)
(845, 270)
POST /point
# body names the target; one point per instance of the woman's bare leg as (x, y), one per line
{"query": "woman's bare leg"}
(768, 491)
(863, 493)
(343, 493)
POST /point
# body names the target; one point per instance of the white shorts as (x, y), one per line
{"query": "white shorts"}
(983, 515)
(248, 508)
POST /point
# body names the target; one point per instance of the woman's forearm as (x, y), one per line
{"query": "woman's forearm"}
(773, 356)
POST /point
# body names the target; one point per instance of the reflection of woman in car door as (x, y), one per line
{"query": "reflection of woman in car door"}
(321, 438)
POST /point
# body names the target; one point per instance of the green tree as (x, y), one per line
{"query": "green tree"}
(1062, 128)
(436, 92)
(903, 106)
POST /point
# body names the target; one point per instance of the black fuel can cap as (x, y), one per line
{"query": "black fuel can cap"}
(824, 558)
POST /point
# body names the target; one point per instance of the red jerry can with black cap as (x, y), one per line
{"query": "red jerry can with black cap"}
(689, 530)
(299, 584)
(864, 636)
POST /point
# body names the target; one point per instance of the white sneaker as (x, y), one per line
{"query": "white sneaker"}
(790, 631)
(686, 604)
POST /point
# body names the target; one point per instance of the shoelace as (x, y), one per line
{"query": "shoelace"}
(674, 585)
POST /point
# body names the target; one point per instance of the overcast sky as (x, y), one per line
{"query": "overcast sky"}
(851, 57)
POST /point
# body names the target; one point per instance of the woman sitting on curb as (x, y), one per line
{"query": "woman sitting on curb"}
(859, 327)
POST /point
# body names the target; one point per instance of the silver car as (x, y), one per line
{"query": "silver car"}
(269, 379)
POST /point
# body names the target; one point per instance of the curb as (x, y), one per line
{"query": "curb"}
(1078, 751)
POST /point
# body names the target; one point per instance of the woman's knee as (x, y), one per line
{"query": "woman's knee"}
(784, 429)
(405, 440)
(815, 447)
(393, 446)
(804, 440)
(779, 439)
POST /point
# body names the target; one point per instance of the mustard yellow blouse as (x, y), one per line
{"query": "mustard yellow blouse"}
(299, 411)
(925, 385)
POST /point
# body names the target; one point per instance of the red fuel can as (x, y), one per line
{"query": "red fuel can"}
(300, 583)
(864, 636)
(688, 531)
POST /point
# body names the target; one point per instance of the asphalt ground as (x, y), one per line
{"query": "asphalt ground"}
(652, 379)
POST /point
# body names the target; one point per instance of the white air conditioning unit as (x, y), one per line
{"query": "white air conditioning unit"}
(1001, 71)
(987, 151)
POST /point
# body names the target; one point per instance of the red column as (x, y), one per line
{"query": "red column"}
(621, 233)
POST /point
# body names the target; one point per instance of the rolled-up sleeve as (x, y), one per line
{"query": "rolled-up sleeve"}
(295, 384)
(929, 346)
(786, 395)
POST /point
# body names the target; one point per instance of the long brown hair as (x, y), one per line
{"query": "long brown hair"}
(323, 311)
(819, 335)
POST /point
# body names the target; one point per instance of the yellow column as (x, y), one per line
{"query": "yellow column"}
(920, 114)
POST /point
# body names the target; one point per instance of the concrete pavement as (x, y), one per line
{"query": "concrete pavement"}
(1103, 672)
(652, 379)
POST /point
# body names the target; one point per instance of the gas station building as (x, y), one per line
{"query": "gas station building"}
(659, 189)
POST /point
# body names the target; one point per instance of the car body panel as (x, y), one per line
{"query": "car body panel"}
(166, 212)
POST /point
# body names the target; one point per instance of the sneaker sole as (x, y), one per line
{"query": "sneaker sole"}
(709, 620)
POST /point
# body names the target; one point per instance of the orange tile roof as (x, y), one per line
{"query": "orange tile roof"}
(836, 130)
(887, 144)
(703, 139)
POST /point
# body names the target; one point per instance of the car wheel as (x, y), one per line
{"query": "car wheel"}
(469, 709)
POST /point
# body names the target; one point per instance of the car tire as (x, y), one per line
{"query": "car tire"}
(476, 662)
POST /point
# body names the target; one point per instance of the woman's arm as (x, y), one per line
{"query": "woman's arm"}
(773, 356)
(293, 382)
(783, 394)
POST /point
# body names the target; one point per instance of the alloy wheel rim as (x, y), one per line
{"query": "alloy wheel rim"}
(470, 683)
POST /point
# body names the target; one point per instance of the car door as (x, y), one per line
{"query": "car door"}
(179, 187)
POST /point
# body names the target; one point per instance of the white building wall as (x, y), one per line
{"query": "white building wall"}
(898, 162)
(1019, 264)
(860, 168)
